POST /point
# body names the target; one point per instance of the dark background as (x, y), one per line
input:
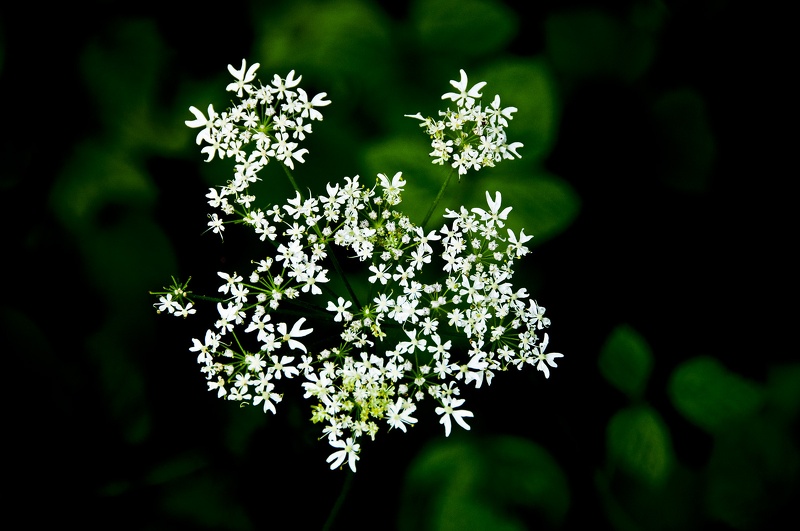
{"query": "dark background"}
(671, 234)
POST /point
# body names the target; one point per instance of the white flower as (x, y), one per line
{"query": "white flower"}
(268, 397)
(349, 450)
(243, 78)
(448, 410)
(542, 357)
(309, 107)
(494, 216)
(399, 414)
(341, 309)
(392, 189)
(288, 337)
(517, 245)
(201, 121)
(463, 96)
(167, 303)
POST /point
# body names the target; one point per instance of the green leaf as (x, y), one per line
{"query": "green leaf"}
(626, 361)
(783, 388)
(753, 470)
(529, 85)
(689, 144)
(710, 396)
(204, 500)
(587, 43)
(96, 177)
(176, 468)
(468, 484)
(463, 27)
(342, 42)
(408, 154)
(543, 204)
(639, 441)
(123, 72)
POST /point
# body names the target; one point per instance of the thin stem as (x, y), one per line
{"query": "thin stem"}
(335, 261)
(438, 198)
(340, 500)
(192, 295)
(291, 179)
(343, 277)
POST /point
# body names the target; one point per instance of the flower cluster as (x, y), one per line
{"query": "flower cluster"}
(473, 136)
(268, 122)
(440, 312)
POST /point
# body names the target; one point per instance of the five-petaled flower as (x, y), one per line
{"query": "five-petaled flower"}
(546, 359)
(448, 410)
(349, 450)
(243, 78)
(463, 96)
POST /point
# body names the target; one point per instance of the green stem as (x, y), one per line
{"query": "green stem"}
(291, 179)
(340, 500)
(438, 198)
(335, 261)
(192, 295)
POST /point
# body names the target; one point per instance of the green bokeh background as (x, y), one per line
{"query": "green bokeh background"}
(651, 178)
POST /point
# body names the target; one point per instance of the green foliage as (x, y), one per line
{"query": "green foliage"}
(544, 204)
(687, 138)
(589, 43)
(409, 153)
(465, 484)
(204, 501)
(626, 361)
(347, 45)
(712, 397)
(123, 70)
(639, 441)
(751, 470)
(783, 393)
(529, 85)
(462, 27)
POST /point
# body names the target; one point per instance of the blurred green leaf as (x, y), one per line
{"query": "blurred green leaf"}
(408, 154)
(204, 501)
(689, 144)
(176, 468)
(753, 468)
(123, 70)
(710, 396)
(543, 204)
(529, 85)
(639, 441)
(467, 484)
(346, 42)
(783, 392)
(127, 259)
(463, 27)
(523, 473)
(632, 504)
(242, 426)
(98, 176)
(626, 361)
(115, 360)
(588, 43)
